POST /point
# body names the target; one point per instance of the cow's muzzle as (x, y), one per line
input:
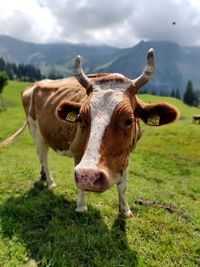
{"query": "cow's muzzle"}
(91, 179)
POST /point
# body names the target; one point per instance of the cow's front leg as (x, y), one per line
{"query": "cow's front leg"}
(81, 205)
(123, 204)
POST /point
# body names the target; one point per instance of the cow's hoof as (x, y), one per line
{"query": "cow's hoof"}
(81, 209)
(127, 214)
(51, 185)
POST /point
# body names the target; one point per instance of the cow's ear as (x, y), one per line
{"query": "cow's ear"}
(68, 111)
(156, 114)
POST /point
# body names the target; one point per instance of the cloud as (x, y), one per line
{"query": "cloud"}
(157, 21)
(29, 21)
(17, 24)
(124, 22)
(91, 21)
(120, 23)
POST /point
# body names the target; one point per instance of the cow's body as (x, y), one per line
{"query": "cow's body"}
(40, 102)
(105, 131)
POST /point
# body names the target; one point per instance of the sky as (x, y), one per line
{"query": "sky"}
(119, 23)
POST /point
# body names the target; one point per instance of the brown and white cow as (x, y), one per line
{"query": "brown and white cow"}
(95, 119)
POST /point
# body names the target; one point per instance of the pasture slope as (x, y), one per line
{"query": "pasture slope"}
(40, 227)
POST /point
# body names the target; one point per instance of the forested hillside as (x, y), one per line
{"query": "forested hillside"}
(175, 64)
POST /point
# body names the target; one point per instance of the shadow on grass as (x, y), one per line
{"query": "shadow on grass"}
(55, 235)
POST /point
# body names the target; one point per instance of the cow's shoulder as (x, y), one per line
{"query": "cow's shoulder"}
(45, 95)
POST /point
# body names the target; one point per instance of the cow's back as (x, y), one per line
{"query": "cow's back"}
(40, 102)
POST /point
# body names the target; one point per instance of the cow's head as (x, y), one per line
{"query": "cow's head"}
(108, 120)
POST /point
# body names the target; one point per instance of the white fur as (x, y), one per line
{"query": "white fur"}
(116, 86)
(81, 204)
(123, 204)
(104, 100)
(28, 90)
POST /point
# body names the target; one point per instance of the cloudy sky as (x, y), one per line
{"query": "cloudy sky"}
(120, 23)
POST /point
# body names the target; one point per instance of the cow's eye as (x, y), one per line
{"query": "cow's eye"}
(128, 122)
(125, 122)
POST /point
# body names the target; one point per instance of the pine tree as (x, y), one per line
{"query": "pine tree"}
(173, 93)
(190, 96)
(2, 64)
(177, 94)
(197, 99)
(3, 82)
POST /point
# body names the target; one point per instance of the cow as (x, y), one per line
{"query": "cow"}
(196, 119)
(96, 119)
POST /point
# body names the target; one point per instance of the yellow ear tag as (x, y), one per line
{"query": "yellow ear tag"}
(71, 116)
(153, 120)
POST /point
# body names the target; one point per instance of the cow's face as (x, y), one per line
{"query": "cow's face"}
(108, 129)
(108, 121)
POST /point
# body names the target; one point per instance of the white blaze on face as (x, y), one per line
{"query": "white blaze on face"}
(103, 102)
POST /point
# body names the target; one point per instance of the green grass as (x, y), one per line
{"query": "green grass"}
(40, 227)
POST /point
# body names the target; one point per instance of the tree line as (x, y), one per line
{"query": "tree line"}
(21, 72)
(190, 97)
(30, 73)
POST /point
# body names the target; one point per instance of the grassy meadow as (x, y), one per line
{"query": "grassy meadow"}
(40, 227)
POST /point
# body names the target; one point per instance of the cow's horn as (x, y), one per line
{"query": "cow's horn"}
(147, 72)
(79, 74)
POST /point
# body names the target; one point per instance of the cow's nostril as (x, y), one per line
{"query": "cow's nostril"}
(100, 179)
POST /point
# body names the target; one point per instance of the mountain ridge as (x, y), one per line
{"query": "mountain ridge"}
(175, 64)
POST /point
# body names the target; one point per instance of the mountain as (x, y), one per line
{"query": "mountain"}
(175, 64)
(57, 58)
